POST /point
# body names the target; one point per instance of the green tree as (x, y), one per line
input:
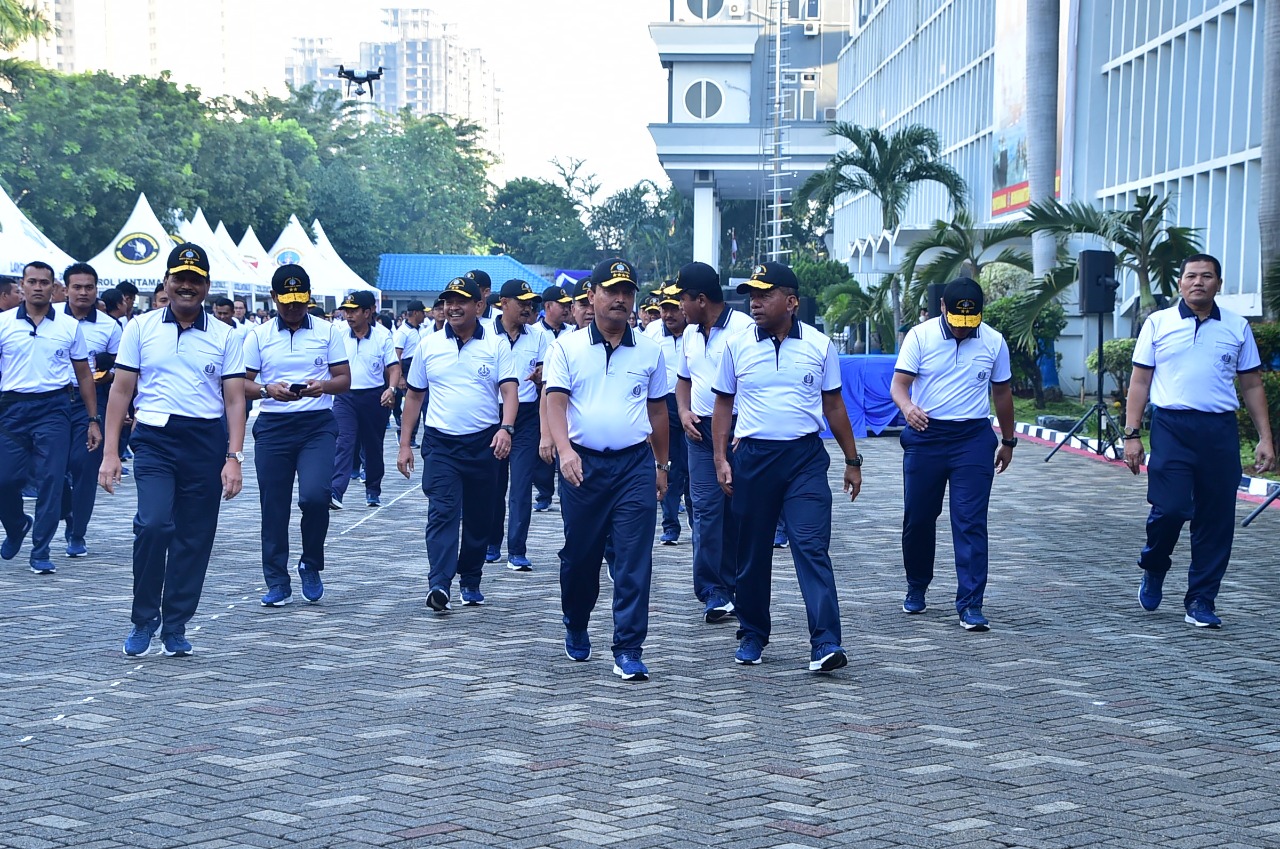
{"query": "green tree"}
(1024, 354)
(890, 168)
(20, 23)
(958, 249)
(649, 226)
(535, 222)
(345, 204)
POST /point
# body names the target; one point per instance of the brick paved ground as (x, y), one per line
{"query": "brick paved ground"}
(367, 720)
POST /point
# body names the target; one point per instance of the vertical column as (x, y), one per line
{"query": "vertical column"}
(706, 220)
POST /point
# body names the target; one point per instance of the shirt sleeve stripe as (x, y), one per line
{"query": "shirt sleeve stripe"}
(721, 393)
(416, 388)
(906, 372)
(124, 367)
(507, 380)
(1142, 365)
(559, 389)
(239, 374)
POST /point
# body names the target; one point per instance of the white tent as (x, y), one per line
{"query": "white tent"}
(295, 246)
(227, 271)
(138, 252)
(255, 255)
(340, 268)
(21, 242)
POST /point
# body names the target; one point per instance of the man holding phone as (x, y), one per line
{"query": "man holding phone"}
(303, 363)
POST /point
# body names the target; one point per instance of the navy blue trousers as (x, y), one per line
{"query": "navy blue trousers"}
(787, 478)
(459, 478)
(962, 455)
(33, 446)
(715, 560)
(285, 446)
(81, 489)
(617, 499)
(518, 468)
(1193, 476)
(362, 428)
(544, 478)
(178, 472)
(678, 477)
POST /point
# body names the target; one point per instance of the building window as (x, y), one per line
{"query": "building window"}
(807, 10)
(706, 9)
(703, 99)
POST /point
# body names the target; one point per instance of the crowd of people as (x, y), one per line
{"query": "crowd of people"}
(637, 416)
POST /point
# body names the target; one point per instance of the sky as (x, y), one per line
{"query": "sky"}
(579, 78)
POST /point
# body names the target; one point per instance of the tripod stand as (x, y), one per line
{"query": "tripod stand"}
(1110, 434)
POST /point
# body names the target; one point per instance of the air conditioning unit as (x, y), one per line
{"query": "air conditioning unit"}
(812, 28)
(737, 10)
(829, 114)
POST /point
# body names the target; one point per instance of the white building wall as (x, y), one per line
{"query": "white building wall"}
(733, 79)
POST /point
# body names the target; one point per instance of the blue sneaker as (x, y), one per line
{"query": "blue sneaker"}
(971, 619)
(362, 474)
(76, 548)
(372, 501)
(124, 471)
(492, 554)
(472, 597)
(335, 503)
(176, 645)
(827, 657)
(750, 648)
(628, 666)
(670, 538)
(1201, 615)
(138, 643)
(1151, 590)
(519, 563)
(717, 610)
(43, 567)
(30, 492)
(312, 585)
(355, 476)
(10, 547)
(277, 596)
(780, 539)
(542, 505)
(577, 645)
(438, 600)
(914, 602)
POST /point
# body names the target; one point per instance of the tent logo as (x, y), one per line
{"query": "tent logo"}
(288, 256)
(136, 249)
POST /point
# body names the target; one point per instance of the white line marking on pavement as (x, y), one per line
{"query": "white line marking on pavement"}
(378, 510)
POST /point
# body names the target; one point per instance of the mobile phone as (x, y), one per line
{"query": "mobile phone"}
(296, 388)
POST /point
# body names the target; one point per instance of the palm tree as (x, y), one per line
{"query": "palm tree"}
(19, 23)
(1269, 206)
(1145, 244)
(958, 249)
(887, 167)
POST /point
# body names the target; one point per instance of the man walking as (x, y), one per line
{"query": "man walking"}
(1186, 361)
(362, 413)
(556, 304)
(42, 353)
(947, 373)
(669, 332)
(606, 399)
(188, 373)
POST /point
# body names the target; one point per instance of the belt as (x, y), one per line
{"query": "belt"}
(607, 452)
(20, 397)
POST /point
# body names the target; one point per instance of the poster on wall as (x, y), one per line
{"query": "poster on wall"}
(1010, 189)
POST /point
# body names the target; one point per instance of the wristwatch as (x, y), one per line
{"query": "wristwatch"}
(1009, 443)
(663, 467)
(854, 462)
(1133, 433)
(96, 420)
(262, 393)
(510, 429)
(238, 456)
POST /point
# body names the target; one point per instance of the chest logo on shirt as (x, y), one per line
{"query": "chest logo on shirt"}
(319, 361)
(982, 375)
(60, 354)
(808, 379)
(484, 370)
(211, 369)
(636, 391)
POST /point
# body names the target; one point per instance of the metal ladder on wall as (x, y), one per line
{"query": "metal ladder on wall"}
(774, 219)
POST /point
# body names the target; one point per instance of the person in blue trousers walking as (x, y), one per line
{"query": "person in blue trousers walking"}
(363, 412)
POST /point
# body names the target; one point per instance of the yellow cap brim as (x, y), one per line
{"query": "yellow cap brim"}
(651, 308)
(294, 298)
(567, 299)
(672, 301)
(197, 269)
(349, 306)
(529, 296)
(613, 281)
(956, 320)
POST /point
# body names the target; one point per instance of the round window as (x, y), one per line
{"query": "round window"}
(706, 8)
(703, 99)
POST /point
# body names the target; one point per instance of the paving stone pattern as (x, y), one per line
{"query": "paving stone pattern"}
(368, 720)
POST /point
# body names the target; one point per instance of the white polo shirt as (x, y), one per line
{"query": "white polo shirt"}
(702, 354)
(405, 338)
(953, 377)
(551, 334)
(101, 335)
(279, 356)
(527, 353)
(778, 386)
(608, 389)
(1196, 362)
(672, 350)
(180, 372)
(462, 380)
(38, 358)
(369, 357)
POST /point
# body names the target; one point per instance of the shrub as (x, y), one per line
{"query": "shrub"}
(1117, 360)
(1024, 361)
(1271, 384)
(1267, 335)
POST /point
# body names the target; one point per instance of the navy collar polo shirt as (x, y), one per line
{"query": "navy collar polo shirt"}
(778, 384)
(609, 388)
(462, 378)
(953, 377)
(1195, 360)
(369, 356)
(38, 357)
(180, 371)
(281, 356)
(527, 352)
(100, 336)
(702, 353)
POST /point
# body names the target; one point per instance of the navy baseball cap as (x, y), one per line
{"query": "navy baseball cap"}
(697, 278)
(464, 287)
(769, 275)
(611, 272)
